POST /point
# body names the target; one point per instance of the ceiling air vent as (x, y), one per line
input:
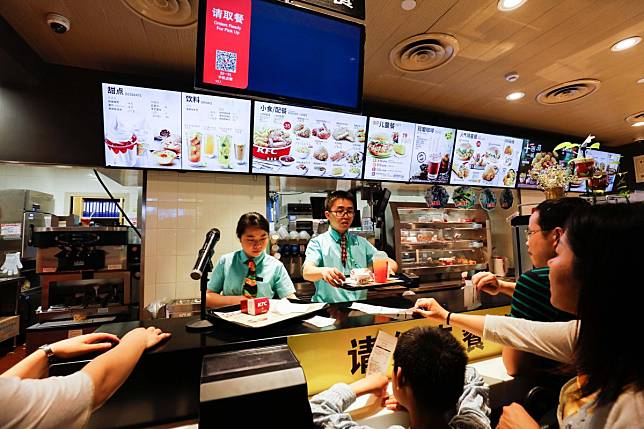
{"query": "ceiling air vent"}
(568, 91)
(168, 13)
(423, 52)
(635, 118)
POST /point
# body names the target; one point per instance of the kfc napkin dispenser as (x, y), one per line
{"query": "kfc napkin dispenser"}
(260, 387)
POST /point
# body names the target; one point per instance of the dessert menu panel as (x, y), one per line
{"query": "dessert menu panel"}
(390, 147)
(604, 161)
(485, 160)
(216, 133)
(432, 154)
(142, 127)
(297, 141)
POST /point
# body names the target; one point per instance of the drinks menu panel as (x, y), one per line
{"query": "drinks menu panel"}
(432, 154)
(485, 160)
(296, 141)
(142, 127)
(216, 133)
(390, 149)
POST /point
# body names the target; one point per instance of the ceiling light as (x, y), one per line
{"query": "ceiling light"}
(513, 96)
(508, 5)
(640, 80)
(408, 4)
(638, 124)
(624, 44)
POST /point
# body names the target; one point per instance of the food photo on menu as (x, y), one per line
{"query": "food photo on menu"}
(216, 133)
(534, 159)
(485, 160)
(389, 150)
(431, 157)
(297, 141)
(142, 127)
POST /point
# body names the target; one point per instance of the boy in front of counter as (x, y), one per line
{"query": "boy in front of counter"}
(531, 293)
(331, 256)
(430, 380)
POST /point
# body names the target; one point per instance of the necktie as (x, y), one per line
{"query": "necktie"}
(343, 249)
(249, 290)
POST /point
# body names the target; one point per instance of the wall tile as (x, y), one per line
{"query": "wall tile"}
(150, 242)
(187, 215)
(166, 269)
(186, 290)
(184, 266)
(167, 242)
(151, 215)
(165, 290)
(167, 215)
(187, 242)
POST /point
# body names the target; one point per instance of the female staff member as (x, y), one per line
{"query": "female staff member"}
(595, 263)
(250, 272)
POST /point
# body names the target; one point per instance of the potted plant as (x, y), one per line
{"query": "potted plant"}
(583, 165)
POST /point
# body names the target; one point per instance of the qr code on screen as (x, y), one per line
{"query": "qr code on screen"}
(226, 61)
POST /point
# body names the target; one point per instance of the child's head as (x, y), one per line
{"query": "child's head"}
(429, 369)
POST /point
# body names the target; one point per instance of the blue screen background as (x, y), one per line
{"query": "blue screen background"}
(301, 55)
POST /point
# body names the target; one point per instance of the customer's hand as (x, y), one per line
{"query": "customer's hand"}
(516, 417)
(332, 276)
(374, 383)
(149, 337)
(77, 346)
(392, 404)
(431, 309)
(486, 282)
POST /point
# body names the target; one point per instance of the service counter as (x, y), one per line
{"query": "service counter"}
(164, 387)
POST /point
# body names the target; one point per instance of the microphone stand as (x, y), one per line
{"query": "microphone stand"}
(203, 266)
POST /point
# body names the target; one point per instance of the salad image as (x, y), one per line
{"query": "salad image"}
(464, 151)
(464, 197)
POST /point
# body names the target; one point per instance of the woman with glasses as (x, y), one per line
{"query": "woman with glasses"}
(249, 272)
(331, 256)
(531, 293)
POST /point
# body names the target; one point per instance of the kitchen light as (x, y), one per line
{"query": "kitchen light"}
(638, 124)
(514, 96)
(408, 4)
(640, 80)
(508, 5)
(624, 44)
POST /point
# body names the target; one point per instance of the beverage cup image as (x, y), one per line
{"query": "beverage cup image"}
(380, 267)
(240, 152)
(209, 147)
(224, 151)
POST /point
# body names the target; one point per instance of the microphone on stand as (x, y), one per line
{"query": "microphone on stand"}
(200, 272)
(205, 254)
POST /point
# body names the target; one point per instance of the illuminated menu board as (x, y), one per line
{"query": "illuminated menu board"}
(485, 160)
(432, 154)
(142, 127)
(390, 147)
(604, 161)
(216, 133)
(297, 141)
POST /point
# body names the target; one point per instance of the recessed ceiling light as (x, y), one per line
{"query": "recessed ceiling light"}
(624, 44)
(513, 96)
(508, 5)
(638, 124)
(408, 4)
(640, 80)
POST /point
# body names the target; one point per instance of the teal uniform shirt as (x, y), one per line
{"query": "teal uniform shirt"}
(324, 251)
(231, 270)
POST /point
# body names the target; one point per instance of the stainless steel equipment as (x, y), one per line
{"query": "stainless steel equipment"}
(439, 244)
(20, 209)
(522, 262)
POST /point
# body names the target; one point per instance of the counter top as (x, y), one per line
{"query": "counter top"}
(164, 387)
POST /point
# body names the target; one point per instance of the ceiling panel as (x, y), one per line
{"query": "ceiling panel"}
(546, 41)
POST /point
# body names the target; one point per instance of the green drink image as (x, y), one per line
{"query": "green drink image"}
(225, 144)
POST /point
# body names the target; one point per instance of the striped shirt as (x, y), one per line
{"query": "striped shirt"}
(531, 298)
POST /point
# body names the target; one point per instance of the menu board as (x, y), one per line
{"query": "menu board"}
(533, 159)
(432, 154)
(216, 133)
(390, 148)
(142, 127)
(296, 141)
(485, 160)
(604, 161)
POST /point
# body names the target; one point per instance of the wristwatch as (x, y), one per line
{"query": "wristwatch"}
(49, 353)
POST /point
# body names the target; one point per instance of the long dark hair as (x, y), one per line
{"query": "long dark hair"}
(607, 244)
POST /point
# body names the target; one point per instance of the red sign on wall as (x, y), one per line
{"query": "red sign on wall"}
(227, 43)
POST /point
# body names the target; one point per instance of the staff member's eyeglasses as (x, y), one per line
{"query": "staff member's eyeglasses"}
(343, 213)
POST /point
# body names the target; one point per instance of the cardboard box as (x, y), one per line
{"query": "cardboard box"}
(9, 327)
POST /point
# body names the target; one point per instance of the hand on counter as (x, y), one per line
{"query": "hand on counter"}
(431, 309)
(490, 284)
(375, 383)
(332, 276)
(516, 417)
(150, 336)
(83, 344)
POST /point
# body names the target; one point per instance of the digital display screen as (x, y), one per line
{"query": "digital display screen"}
(604, 161)
(485, 160)
(298, 141)
(275, 50)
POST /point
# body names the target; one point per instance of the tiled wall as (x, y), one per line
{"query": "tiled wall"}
(180, 209)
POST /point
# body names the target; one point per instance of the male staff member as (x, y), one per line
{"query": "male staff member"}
(331, 256)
